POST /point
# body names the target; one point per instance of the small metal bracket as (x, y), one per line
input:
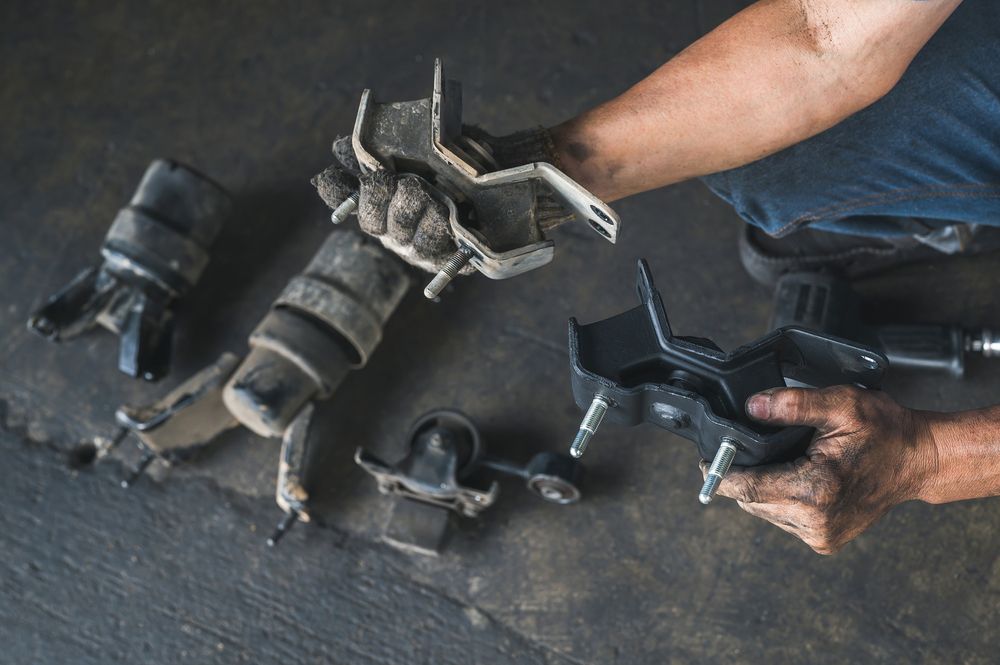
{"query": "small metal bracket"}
(692, 388)
(446, 468)
(444, 446)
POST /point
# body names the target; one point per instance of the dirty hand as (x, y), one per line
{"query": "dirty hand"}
(402, 212)
(868, 455)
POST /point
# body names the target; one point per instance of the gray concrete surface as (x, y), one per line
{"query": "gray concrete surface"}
(639, 572)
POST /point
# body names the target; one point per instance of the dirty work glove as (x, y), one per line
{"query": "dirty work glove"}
(406, 217)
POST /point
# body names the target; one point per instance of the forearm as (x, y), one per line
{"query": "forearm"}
(968, 456)
(773, 75)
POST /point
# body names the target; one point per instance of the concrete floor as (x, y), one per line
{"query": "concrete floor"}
(176, 570)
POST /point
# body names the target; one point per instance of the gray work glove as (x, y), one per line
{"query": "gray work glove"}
(402, 213)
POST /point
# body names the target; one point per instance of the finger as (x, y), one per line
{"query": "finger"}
(334, 185)
(377, 189)
(407, 208)
(777, 515)
(343, 150)
(813, 407)
(771, 483)
(432, 238)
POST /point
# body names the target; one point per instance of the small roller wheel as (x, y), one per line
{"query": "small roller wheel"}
(465, 436)
(555, 477)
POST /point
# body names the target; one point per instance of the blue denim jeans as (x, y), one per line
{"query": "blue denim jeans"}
(925, 156)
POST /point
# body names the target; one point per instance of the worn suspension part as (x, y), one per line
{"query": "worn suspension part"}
(327, 321)
(492, 213)
(826, 302)
(447, 470)
(154, 253)
(630, 369)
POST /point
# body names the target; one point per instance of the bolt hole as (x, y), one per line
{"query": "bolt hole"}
(82, 455)
(869, 363)
(600, 229)
(600, 213)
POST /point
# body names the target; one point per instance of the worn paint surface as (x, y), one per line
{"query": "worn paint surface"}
(638, 572)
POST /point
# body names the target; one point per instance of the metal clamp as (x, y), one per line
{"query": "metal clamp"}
(495, 230)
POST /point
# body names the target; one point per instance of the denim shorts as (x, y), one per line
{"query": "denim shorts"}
(925, 156)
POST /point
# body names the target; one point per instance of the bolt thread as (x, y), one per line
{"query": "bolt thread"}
(448, 272)
(580, 442)
(709, 488)
(591, 421)
(344, 210)
(719, 468)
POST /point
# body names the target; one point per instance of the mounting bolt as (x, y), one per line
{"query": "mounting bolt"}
(720, 467)
(344, 210)
(451, 268)
(591, 421)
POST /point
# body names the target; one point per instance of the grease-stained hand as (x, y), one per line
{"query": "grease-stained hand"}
(868, 455)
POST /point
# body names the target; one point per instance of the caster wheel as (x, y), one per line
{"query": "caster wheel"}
(464, 436)
(554, 477)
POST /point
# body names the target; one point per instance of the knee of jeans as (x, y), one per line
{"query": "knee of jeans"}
(757, 199)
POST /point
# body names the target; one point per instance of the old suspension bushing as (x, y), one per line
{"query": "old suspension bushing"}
(327, 321)
(154, 252)
(163, 235)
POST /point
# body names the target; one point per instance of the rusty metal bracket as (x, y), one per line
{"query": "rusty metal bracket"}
(491, 212)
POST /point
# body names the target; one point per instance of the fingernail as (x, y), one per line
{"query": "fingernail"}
(759, 406)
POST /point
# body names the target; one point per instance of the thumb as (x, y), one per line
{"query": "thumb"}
(811, 407)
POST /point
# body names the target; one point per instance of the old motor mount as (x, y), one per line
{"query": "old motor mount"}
(827, 302)
(447, 470)
(154, 253)
(630, 369)
(491, 211)
(327, 321)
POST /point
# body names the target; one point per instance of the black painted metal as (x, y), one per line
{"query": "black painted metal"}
(692, 388)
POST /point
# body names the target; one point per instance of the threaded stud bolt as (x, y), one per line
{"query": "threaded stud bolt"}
(451, 268)
(591, 421)
(720, 467)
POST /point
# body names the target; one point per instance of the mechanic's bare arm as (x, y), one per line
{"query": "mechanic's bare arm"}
(771, 76)
(869, 455)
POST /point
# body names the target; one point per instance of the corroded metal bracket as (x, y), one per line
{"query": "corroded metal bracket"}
(491, 211)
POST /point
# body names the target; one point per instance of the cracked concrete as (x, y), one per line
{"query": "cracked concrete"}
(638, 572)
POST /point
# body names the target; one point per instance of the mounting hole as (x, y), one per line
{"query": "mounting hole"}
(600, 213)
(600, 229)
(81, 455)
(554, 489)
(555, 477)
(869, 363)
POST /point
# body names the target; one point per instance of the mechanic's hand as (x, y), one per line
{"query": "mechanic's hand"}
(402, 212)
(869, 454)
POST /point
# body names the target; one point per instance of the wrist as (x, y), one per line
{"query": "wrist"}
(967, 456)
(927, 465)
